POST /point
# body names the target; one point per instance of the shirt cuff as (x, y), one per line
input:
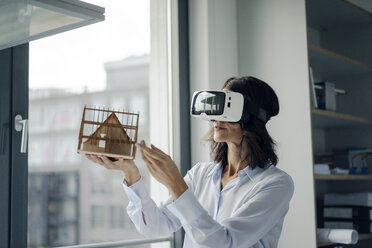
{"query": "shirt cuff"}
(186, 207)
(136, 192)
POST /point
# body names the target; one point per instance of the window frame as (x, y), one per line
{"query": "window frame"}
(180, 91)
(13, 169)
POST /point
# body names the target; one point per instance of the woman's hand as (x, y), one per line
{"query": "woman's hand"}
(128, 167)
(162, 167)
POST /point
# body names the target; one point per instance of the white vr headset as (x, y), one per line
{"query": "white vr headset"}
(225, 106)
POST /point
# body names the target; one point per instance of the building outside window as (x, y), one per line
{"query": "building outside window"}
(117, 217)
(98, 217)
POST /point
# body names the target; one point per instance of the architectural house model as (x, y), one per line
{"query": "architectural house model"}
(102, 133)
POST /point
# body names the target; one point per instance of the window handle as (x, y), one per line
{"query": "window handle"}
(21, 124)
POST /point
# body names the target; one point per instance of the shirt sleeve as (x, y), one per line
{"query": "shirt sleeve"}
(159, 220)
(245, 227)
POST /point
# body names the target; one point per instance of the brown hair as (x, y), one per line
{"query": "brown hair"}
(261, 147)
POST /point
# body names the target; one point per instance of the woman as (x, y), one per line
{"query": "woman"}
(239, 200)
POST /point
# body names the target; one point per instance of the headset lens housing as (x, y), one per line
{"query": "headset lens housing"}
(209, 103)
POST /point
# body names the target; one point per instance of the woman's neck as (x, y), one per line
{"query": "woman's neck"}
(236, 158)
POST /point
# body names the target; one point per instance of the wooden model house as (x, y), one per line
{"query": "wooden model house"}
(110, 137)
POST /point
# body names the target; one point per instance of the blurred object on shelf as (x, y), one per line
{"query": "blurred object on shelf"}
(359, 225)
(324, 158)
(340, 171)
(339, 236)
(352, 159)
(349, 212)
(358, 161)
(337, 91)
(312, 88)
(322, 169)
(326, 95)
(351, 199)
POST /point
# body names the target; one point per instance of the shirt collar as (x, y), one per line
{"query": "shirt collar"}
(215, 169)
(247, 171)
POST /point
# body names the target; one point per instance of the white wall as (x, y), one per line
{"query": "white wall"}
(159, 90)
(267, 39)
(273, 47)
(213, 57)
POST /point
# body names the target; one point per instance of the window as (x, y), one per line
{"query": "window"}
(103, 65)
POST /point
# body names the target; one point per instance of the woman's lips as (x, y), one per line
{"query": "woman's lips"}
(219, 128)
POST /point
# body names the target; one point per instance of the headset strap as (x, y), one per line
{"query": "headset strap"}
(252, 108)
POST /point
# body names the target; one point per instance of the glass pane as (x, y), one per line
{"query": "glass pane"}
(25, 20)
(105, 65)
(49, 19)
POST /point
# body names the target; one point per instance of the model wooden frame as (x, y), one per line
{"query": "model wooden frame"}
(102, 133)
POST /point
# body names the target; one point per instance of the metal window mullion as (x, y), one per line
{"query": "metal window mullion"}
(19, 161)
(178, 38)
(5, 145)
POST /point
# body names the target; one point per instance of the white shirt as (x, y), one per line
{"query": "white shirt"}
(248, 212)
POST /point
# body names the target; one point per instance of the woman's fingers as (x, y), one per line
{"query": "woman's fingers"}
(159, 164)
(144, 150)
(150, 152)
(151, 155)
(146, 157)
(151, 168)
(128, 167)
(121, 161)
(149, 163)
(95, 159)
(102, 160)
(158, 150)
(107, 162)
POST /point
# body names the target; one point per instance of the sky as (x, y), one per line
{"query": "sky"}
(75, 59)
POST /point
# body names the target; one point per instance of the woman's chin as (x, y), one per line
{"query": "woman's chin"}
(218, 139)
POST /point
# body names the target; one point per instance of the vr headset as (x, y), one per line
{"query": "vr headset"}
(225, 106)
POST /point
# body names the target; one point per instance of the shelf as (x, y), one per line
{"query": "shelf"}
(330, 65)
(324, 119)
(354, 152)
(361, 237)
(332, 14)
(342, 177)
